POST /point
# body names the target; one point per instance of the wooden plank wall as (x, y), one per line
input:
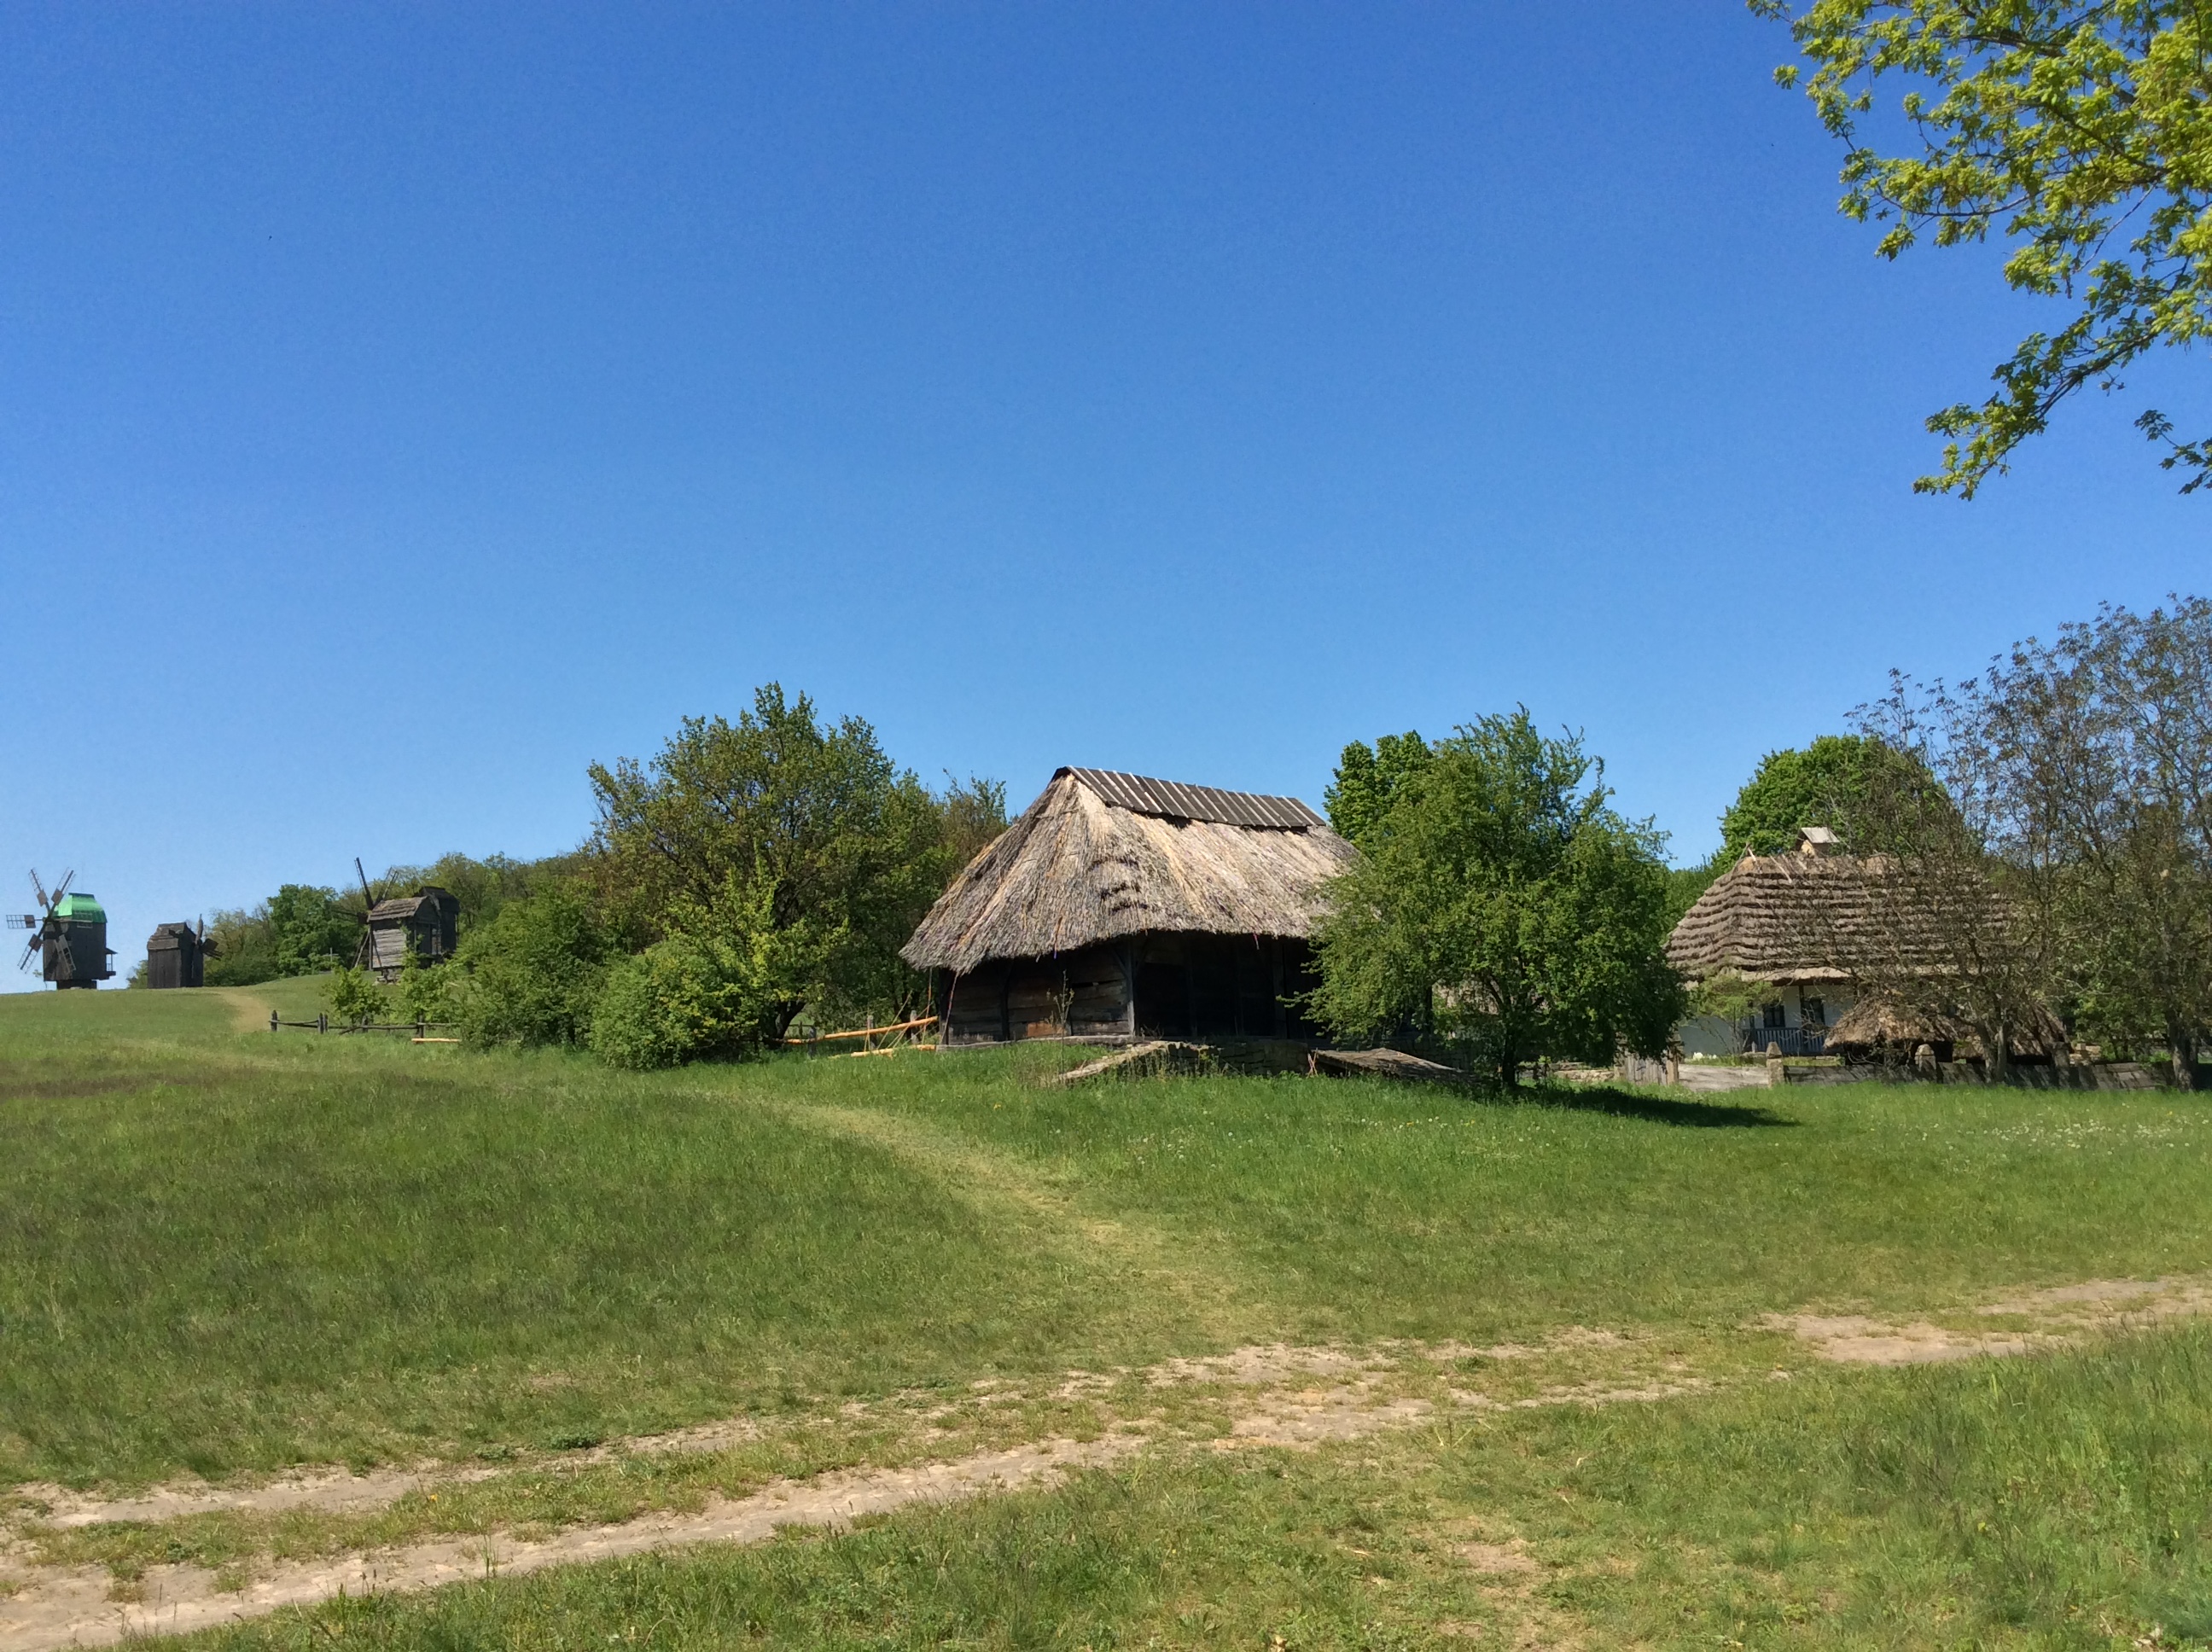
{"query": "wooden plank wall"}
(1187, 985)
(1078, 994)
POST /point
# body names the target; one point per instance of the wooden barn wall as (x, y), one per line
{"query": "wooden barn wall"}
(1186, 986)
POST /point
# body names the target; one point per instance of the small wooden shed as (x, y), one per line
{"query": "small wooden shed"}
(1119, 906)
(176, 956)
(426, 923)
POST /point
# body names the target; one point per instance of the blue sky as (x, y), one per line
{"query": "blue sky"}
(402, 406)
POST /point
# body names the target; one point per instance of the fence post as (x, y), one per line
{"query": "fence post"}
(272, 1021)
(323, 1021)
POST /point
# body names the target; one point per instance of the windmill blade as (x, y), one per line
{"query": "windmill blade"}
(41, 889)
(60, 889)
(30, 951)
(366, 896)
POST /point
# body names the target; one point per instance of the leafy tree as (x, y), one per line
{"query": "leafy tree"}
(245, 948)
(310, 931)
(2079, 129)
(973, 813)
(1504, 904)
(1368, 781)
(715, 993)
(1823, 785)
(779, 825)
(482, 887)
(429, 991)
(534, 972)
(1966, 937)
(2093, 755)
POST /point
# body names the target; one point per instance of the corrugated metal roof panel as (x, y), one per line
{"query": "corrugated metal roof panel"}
(1172, 800)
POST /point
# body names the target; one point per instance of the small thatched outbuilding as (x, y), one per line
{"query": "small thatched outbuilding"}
(1119, 906)
(1876, 1030)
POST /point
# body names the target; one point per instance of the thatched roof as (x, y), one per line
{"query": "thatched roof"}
(1100, 855)
(1878, 1024)
(1803, 917)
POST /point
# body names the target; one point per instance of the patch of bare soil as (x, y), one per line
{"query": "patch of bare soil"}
(62, 1607)
(2043, 1319)
(335, 1490)
(1316, 1416)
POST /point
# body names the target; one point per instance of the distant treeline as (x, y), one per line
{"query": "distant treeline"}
(307, 929)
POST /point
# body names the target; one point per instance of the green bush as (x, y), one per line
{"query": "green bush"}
(356, 996)
(678, 1001)
(534, 971)
(429, 991)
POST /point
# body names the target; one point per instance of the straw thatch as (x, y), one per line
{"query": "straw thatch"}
(1878, 1026)
(1100, 856)
(1874, 1023)
(1804, 918)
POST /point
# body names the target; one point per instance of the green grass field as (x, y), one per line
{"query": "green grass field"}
(225, 1253)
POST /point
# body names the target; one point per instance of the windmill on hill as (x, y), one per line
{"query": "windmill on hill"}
(68, 936)
(424, 923)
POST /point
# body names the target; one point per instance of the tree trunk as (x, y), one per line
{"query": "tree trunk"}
(2183, 1050)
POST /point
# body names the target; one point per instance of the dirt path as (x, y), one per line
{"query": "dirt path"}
(1162, 1264)
(1281, 1396)
(73, 1605)
(1259, 1396)
(2038, 1319)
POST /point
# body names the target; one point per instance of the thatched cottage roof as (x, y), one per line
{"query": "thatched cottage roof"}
(1802, 918)
(1100, 855)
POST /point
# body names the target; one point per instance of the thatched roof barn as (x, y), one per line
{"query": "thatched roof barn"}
(1119, 906)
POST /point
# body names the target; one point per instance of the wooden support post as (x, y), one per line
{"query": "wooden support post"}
(323, 1022)
(272, 1021)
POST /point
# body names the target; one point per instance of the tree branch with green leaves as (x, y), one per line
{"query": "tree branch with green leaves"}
(2079, 131)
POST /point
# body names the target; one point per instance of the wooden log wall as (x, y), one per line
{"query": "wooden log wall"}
(1185, 986)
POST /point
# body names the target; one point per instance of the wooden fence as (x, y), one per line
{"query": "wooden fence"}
(899, 1033)
(321, 1023)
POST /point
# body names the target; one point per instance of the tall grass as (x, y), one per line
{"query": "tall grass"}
(1363, 1209)
(2075, 1490)
(223, 1250)
(228, 1260)
(2053, 1503)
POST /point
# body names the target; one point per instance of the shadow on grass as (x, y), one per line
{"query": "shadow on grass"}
(1653, 1109)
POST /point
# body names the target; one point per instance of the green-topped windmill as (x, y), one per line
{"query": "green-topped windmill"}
(68, 936)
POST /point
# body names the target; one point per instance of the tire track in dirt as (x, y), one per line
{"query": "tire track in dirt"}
(72, 1605)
